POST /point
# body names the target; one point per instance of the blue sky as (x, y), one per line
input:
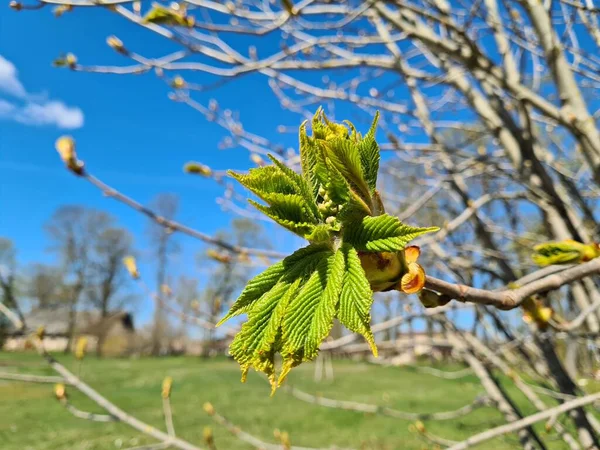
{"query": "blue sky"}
(127, 130)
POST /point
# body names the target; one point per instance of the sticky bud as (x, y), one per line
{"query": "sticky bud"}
(534, 311)
(60, 391)
(197, 168)
(166, 387)
(65, 146)
(81, 348)
(165, 289)
(17, 6)
(208, 409)
(431, 299)
(60, 10)
(71, 60)
(131, 267)
(116, 44)
(217, 256)
(208, 436)
(178, 82)
(420, 426)
(285, 440)
(256, 159)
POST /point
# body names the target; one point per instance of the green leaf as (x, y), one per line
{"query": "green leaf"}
(255, 288)
(259, 333)
(564, 252)
(265, 180)
(356, 298)
(161, 15)
(308, 160)
(344, 156)
(287, 214)
(383, 233)
(287, 207)
(302, 187)
(310, 315)
(289, 269)
(369, 155)
(337, 187)
(261, 336)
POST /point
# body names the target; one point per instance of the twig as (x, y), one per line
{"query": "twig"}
(526, 422)
(166, 402)
(31, 378)
(247, 437)
(479, 401)
(176, 226)
(88, 415)
(512, 298)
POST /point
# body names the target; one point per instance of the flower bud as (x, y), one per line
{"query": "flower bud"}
(285, 440)
(165, 290)
(65, 146)
(420, 426)
(60, 391)
(256, 159)
(81, 348)
(166, 387)
(178, 82)
(61, 9)
(209, 409)
(197, 168)
(17, 6)
(131, 267)
(40, 332)
(208, 436)
(383, 269)
(431, 299)
(217, 256)
(116, 44)
(71, 60)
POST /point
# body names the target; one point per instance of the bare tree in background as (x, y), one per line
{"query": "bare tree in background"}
(45, 286)
(108, 275)
(162, 246)
(229, 274)
(8, 295)
(73, 231)
(187, 297)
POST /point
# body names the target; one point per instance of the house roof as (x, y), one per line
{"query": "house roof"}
(56, 321)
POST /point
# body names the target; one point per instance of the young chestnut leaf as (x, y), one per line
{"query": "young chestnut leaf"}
(354, 249)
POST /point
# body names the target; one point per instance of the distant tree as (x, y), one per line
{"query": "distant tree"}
(186, 296)
(73, 232)
(8, 296)
(45, 286)
(231, 272)
(107, 275)
(162, 247)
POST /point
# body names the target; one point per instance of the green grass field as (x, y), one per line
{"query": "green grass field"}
(31, 418)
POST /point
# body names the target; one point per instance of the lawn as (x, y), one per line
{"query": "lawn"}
(31, 418)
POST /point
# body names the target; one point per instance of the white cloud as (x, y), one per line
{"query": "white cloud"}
(50, 113)
(9, 82)
(6, 107)
(33, 110)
